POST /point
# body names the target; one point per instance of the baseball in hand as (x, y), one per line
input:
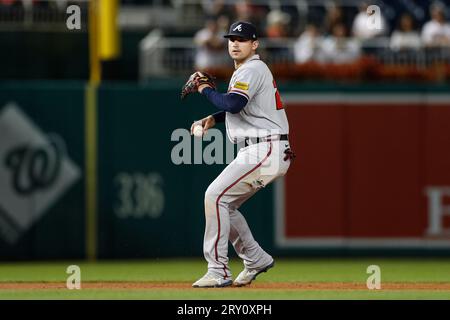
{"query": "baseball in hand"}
(198, 131)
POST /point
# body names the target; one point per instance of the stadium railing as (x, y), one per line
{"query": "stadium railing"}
(161, 55)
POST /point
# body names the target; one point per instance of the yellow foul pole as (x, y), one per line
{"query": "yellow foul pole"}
(103, 45)
(91, 132)
(94, 54)
(109, 33)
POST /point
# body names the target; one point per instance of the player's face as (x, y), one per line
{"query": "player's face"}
(241, 49)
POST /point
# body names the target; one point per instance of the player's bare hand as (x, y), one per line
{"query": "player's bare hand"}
(206, 123)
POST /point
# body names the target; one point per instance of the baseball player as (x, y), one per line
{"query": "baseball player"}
(253, 114)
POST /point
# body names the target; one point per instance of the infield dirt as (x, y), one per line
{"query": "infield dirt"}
(310, 286)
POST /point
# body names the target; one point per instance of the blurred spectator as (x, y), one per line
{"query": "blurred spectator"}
(436, 32)
(307, 45)
(361, 24)
(223, 23)
(62, 4)
(277, 24)
(213, 7)
(247, 11)
(405, 37)
(333, 17)
(297, 17)
(211, 46)
(337, 48)
(216, 8)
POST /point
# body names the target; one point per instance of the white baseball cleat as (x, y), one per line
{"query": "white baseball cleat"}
(248, 275)
(210, 280)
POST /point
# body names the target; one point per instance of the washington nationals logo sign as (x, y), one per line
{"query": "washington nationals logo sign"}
(35, 171)
(34, 167)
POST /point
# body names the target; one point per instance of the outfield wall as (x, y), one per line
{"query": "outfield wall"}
(371, 174)
(374, 172)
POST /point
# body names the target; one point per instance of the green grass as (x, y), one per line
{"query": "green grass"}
(188, 270)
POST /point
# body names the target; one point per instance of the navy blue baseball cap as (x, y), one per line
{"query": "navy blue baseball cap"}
(242, 29)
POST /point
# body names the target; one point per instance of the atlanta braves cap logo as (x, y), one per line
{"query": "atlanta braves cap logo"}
(242, 29)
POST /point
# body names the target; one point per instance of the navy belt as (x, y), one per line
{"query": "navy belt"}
(276, 137)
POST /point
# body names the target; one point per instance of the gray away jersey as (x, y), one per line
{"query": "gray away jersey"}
(264, 113)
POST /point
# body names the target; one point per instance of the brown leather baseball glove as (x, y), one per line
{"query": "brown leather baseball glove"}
(195, 80)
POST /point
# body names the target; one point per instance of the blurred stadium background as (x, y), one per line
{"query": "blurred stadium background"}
(86, 118)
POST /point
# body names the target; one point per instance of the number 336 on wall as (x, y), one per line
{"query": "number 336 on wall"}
(139, 195)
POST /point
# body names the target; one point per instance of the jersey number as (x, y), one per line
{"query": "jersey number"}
(278, 101)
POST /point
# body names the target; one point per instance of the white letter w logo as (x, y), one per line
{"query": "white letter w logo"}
(239, 28)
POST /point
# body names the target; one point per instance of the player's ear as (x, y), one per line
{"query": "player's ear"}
(255, 44)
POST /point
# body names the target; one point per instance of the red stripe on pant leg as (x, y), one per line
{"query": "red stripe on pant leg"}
(220, 196)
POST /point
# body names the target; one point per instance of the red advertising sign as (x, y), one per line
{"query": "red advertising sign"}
(371, 171)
